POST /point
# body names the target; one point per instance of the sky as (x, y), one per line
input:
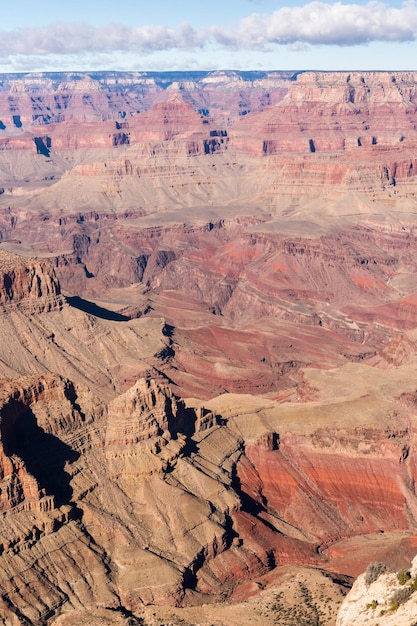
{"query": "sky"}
(163, 35)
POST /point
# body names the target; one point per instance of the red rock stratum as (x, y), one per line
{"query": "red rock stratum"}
(207, 342)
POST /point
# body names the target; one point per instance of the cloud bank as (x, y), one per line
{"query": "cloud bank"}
(316, 23)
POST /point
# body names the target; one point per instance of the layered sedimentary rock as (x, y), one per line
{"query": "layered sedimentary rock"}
(44, 99)
(301, 210)
(44, 546)
(28, 284)
(215, 236)
(168, 503)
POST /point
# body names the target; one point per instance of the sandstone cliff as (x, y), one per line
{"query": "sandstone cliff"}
(28, 284)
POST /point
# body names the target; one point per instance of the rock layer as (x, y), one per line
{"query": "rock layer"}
(28, 284)
(170, 503)
(214, 235)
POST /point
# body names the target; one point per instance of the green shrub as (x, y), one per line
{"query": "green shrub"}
(403, 576)
(372, 605)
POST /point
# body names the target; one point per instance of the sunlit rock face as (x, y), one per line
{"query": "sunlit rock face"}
(28, 284)
(381, 596)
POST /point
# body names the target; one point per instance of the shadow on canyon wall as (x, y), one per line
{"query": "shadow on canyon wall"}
(93, 309)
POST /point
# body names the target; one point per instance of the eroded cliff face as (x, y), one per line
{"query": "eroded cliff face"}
(246, 242)
(43, 428)
(28, 284)
(172, 503)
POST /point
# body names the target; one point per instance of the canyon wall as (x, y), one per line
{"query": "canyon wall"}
(208, 337)
(28, 284)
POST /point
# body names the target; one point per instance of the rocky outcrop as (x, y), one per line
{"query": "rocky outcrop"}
(28, 284)
(141, 423)
(380, 596)
(32, 454)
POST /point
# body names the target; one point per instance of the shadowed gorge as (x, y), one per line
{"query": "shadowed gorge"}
(43, 454)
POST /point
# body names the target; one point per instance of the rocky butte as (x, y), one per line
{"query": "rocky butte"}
(208, 340)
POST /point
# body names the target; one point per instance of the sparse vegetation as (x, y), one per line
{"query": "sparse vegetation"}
(305, 613)
(403, 576)
(373, 572)
(400, 596)
(372, 605)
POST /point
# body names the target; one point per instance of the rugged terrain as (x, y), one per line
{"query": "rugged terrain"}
(380, 595)
(208, 343)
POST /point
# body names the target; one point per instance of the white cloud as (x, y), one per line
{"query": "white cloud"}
(68, 38)
(331, 24)
(314, 23)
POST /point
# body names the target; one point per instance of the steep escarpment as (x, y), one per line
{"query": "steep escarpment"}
(28, 284)
(30, 441)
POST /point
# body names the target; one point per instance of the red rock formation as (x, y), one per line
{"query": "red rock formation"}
(226, 497)
(328, 494)
(231, 238)
(28, 284)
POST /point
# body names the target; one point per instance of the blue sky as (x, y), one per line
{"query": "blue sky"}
(213, 34)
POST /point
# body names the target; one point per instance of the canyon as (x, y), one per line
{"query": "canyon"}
(208, 343)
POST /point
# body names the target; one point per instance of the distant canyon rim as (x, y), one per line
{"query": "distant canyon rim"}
(208, 354)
